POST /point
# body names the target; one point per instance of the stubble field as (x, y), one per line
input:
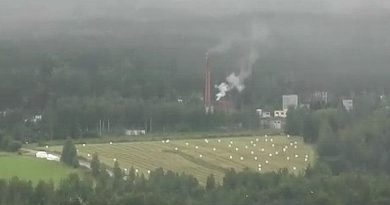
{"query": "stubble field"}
(202, 157)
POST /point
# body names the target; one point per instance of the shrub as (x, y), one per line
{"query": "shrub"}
(13, 146)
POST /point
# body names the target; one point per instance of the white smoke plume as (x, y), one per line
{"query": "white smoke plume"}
(226, 44)
(250, 44)
(223, 88)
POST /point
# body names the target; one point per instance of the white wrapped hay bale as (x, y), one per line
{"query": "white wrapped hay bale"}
(52, 157)
(41, 154)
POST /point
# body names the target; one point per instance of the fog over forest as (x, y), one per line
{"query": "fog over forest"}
(306, 34)
(195, 102)
(154, 51)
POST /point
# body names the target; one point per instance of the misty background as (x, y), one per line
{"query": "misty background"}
(135, 55)
(310, 35)
(104, 71)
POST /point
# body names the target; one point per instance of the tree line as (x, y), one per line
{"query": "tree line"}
(137, 88)
(346, 141)
(316, 186)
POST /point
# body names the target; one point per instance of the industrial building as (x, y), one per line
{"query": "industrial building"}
(290, 101)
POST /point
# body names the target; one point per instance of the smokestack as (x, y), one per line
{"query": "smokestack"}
(207, 87)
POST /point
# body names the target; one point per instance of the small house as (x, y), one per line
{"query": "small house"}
(348, 104)
(280, 113)
(135, 132)
(266, 115)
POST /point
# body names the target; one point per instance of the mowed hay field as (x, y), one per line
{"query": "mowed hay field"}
(33, 169)
(202, 157)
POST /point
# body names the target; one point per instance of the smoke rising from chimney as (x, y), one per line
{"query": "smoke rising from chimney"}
(226, 44)
(250, 45)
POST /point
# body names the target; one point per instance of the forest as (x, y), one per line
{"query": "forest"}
(66, 67)
(133, 63)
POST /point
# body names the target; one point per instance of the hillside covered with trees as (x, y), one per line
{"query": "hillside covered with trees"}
(146, 66)
(68, 68)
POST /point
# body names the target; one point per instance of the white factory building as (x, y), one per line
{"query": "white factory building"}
(277, 120)
(290, 101)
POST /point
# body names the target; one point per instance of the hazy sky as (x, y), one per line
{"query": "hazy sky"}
(16, 14)
(302, 33)
(46, 10)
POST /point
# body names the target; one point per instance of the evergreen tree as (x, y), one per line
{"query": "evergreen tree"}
(132, 174)
(95, 165)
(118, 176)
(210, 183)
(229, 180)
(294, 122)
(310, 128)
(140, 182)
(69, 154)
(43, 193)
(117, 171)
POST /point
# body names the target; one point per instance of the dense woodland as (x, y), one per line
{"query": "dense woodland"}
(130, 67)
(129, 62)
(139, 88)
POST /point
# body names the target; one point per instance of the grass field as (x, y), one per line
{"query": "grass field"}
(29, 168)
(202, 157)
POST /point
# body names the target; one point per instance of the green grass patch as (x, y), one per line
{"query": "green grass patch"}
(33, 169)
